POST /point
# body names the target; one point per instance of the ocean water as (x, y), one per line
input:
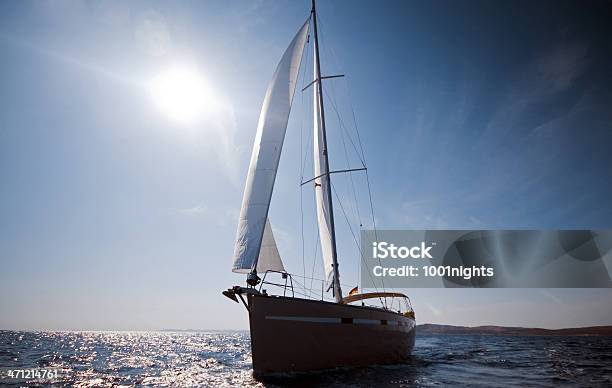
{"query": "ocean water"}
(218, 359)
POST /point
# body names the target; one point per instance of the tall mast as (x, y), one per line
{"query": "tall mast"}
(319, 83)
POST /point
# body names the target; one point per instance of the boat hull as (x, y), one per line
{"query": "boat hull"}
(300, 335)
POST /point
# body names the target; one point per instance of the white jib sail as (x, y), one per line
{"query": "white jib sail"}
(266, 155)
(269, 258)
(323, 205)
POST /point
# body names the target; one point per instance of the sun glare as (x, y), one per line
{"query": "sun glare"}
(182, 94)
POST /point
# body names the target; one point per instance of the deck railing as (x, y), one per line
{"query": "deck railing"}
(288, 282)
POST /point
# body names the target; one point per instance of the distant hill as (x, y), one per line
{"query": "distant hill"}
(501, 330)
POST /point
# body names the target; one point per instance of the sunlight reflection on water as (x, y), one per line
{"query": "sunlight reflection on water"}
(222, 359)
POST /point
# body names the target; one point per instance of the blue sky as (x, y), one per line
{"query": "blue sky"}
(115, 216)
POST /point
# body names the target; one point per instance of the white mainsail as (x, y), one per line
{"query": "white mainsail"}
(320, 167)
(266, 155)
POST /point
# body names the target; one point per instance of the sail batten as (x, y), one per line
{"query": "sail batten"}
(267, 149)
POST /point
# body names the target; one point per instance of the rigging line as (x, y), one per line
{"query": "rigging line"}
(328, 251)
(346, 156)
(371, 206)
(332, 55)
(309, 146)
(316, 249)
(348, 92)
(356, 243)
(333, 103)
(302, 113)
(324, 47)
(302, 110)
(373, 219)
(342, 126)
(302, 230)
(301, 294)
(329, 173)
(350, 178)
(305, 295)
(321, 280)
(304, 158)
(362, 156)
(315, 237)
(301, 285)
(355, 206)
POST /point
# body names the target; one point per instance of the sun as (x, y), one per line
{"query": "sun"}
(182, 94)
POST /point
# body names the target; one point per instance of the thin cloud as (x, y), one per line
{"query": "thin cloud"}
(199, 209)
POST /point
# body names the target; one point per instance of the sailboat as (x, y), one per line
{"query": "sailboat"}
(293, 334)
